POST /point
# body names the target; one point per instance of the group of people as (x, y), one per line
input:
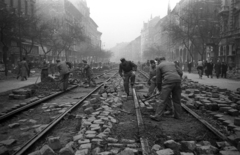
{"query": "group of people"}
(165, 77)
(208, 67)
(64, 68)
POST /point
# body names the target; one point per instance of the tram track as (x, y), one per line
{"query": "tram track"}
(220, 136)
(124, 123)
(51, 125)
(26, 105)
(20, 126)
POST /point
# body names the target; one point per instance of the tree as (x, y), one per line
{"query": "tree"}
(197, 26)
(154, 51)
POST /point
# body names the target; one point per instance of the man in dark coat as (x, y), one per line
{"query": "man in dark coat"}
(209, 66)
(224, 70)
(64, 71)
(44, 71)
(128, 68)
(88, 73)
(151, 79)
(217, 68)
(189, 66)
(23, 69)
(168, 82)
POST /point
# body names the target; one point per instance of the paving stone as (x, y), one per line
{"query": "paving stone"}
(156, 147)
(4, 151)
(83, 141)
(85, 146)
(54, 143)
(8, 142)
(32, 121)
(66, 151)
(91, 132)
(115, 150)
(101, 135)
(237, 121)
(90, 136)
(46, 150)
(13, 125)
(234, 138)
(172, 145)
(34, 153)
(188, 145)
(105, 153)
(113, 140)
(116, 144)
(78, 137)
(82, 152)
(126, 152)
(96, 151)
(207, 149)
(165, 152)
(128, 141)
(94, 125)
(224, 109)
(222, 144)
(233, 112)
(229, 153)
(88, 110)
(186, 153)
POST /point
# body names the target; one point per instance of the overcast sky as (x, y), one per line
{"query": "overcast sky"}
(122, 20)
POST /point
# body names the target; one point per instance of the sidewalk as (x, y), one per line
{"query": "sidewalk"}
(221, 83)
(10, 84)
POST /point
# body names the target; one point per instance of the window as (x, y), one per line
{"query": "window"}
(26, 7)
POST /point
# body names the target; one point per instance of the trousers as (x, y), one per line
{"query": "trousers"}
(128, 76)
(90, 79)
(175, 90)
(152, 87)
(64, 81)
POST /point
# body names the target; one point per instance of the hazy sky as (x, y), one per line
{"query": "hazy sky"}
(122, 20)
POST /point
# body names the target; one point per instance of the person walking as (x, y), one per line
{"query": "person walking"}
(88, 73)
(189, 66)
(168, 80)
(200, 68)
(217, 68)
(30, 65)
(64, 74)
(209, 66)
(23, 69)
(44, 71)
(224, 70)
(127, 72)
(151, 79)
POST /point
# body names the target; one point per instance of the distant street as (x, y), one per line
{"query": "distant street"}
(222, 83)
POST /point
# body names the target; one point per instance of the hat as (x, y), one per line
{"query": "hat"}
(122, 59)
(84, 61)
(152, 62)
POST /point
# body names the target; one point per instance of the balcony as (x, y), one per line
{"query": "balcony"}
(224, 10)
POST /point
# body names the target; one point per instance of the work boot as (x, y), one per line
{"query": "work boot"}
(155, 118)
(177, 111)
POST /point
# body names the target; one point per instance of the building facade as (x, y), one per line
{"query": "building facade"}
(229, 46)
(147, 35)
(21, 10)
